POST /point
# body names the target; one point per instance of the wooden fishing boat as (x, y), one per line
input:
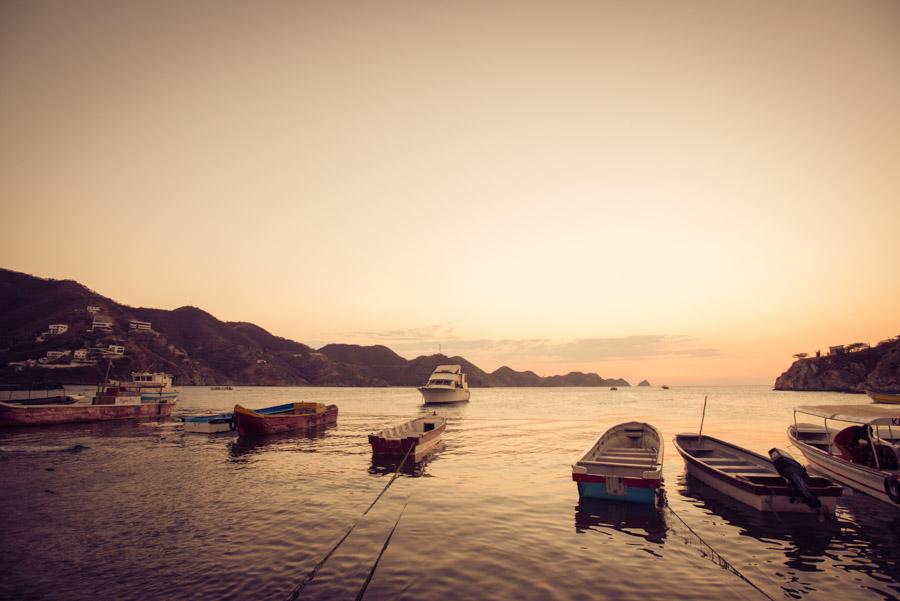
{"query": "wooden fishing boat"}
(775, 483)
(209, 424)
(112, 400)
(419, 435)
(855, 445)
(884, 397)
(283, 418)
(625, 464)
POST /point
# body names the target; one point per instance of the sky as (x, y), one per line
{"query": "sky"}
(685, 192)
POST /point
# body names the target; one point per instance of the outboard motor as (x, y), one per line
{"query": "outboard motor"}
(795, 475)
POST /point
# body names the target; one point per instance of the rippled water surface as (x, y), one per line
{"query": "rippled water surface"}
(143, 511)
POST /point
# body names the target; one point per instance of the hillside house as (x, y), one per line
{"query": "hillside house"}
(101, 323)
(57, 328)
(140, 326)
(836, 350)
(93, 309)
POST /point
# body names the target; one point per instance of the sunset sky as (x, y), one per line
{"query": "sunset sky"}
(686, 192)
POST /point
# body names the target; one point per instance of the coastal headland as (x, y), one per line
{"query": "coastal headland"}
(854, 367)
(61, 331)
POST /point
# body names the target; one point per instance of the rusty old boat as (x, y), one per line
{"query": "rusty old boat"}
(147, 395)
(283, 418)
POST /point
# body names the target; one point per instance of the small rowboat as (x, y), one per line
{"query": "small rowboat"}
(625, 464)
(777, 484)
(421, 435)
(283, 418)
(209, 424)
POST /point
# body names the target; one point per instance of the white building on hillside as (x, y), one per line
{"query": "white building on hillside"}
(101, 323)
(142, 326)
(57, 328)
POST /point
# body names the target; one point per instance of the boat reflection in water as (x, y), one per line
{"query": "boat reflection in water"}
(293, 441)
(803, 538)
(385, 465)
(631, 519)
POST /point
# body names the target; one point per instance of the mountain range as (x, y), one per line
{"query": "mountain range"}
(93, 334)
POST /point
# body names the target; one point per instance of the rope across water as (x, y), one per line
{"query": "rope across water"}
(295, 594)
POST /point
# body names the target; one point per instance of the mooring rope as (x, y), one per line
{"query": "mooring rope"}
(312, 574)
(384, 547)
(717, 557)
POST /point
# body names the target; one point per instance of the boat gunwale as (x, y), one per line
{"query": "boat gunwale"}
(826, 490)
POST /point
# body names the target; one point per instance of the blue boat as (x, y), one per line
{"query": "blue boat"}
(625, 464)
(209, 424)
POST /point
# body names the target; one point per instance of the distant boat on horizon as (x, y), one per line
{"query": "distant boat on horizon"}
(664, 387)
(448, 384)
(884, 397)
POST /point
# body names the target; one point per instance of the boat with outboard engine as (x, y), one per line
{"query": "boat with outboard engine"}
(860, 451)
(283, 418)
(775, 483)
(625, 464)
(419, 435)
(448, 384)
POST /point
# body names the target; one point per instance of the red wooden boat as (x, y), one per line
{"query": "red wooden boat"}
(420, 435)
(283, 418)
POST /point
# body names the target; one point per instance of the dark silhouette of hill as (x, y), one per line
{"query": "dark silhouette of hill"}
(197, 348)
(874, 368)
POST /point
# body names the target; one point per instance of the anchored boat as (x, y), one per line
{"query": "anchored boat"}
(147, 395)
(209, 424)
(625, 464)
(860, 450)
(421, 435)
(884, 397)
(774, 483)
(283, 418)
(448, 384)
(37, 394)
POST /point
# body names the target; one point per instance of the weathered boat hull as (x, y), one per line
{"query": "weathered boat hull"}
(858, 477)
(159, 396)
(41, 415)
(417, 446)
(437, 396)
(884, 397)
(251, 423)
(611, 488)
(774, 496)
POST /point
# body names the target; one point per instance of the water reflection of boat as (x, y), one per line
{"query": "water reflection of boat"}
(632, 519)
(803, 538)
(285, 441)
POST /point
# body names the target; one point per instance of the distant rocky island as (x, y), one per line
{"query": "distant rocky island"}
(59, 331)
(855, 367)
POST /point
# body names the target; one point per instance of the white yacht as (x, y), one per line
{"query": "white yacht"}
(447, 384)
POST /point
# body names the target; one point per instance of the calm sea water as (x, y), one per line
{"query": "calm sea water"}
(143, 511)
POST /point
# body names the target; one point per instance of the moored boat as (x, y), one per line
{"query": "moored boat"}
(861, 450)
(884, 397)
(112, 400)
(625, 464)
(448, 384)
(37, 394)
(775, 483)
(209, 424)
(283, 418)
(418, 436)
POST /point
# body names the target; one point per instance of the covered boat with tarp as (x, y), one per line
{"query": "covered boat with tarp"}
(855, 445)
(283, 418)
